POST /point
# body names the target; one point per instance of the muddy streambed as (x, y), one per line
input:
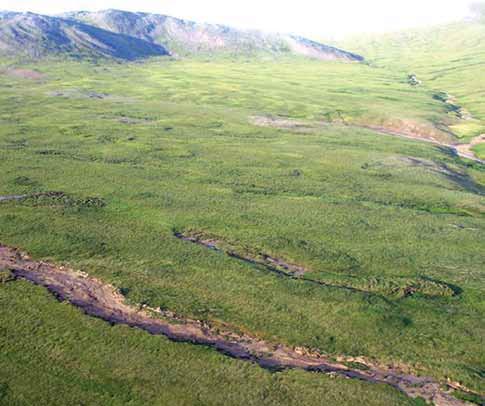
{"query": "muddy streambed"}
(101, 300)
(409, 132)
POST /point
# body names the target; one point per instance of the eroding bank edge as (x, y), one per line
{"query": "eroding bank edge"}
(104, 301)
(283, 268)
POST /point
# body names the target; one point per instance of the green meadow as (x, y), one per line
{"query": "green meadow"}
(145, 150)
(448, 58)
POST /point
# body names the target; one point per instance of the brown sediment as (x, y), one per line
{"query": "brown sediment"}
(274, 264)
(466, 150)
(285, 123)
(399, 128)
(104, 301)
(402, 128)
(462, 150)
(24, 73)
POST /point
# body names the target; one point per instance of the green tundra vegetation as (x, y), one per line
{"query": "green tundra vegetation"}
(448, 59)
(142, 151)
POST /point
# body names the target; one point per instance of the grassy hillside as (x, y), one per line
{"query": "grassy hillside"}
(447, 59)
(400, 220)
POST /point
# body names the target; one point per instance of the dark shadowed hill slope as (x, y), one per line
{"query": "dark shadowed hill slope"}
(182, 37)
(37, 35)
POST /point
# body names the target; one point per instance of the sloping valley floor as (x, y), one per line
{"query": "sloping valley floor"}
(334, 242)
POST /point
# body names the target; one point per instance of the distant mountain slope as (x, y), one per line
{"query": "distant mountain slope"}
(448, 58)
(183, 37)
(36, 36)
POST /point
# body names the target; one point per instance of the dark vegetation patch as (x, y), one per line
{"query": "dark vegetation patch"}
(478, 371)
(406, 287)
(5, 276)
(120, 161)
(459, 177)
(78, 93)
(52, 152)
(469, 397)
(61, 199)
(452, 106)
(16, 144)
(357, 365)
(439, 208)
(3, 391)
(25, 181)
(104, 140)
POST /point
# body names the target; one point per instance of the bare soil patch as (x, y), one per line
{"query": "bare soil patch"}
(403, 128)
(274, 264)
(104, 301)
(24, 74)
(466, 149)
(398, 128)
(285, 123)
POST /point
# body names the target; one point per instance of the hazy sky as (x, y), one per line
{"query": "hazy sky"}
(317, 18)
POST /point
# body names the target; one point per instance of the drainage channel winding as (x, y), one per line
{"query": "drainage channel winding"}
(100, 300)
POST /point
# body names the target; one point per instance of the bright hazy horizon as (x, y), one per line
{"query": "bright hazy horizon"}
(306, 17)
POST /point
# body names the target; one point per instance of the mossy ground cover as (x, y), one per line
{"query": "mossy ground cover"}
(168, 146)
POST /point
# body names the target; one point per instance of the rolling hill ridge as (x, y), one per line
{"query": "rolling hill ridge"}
(37, 36)
(125, 35)
(447, 59)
